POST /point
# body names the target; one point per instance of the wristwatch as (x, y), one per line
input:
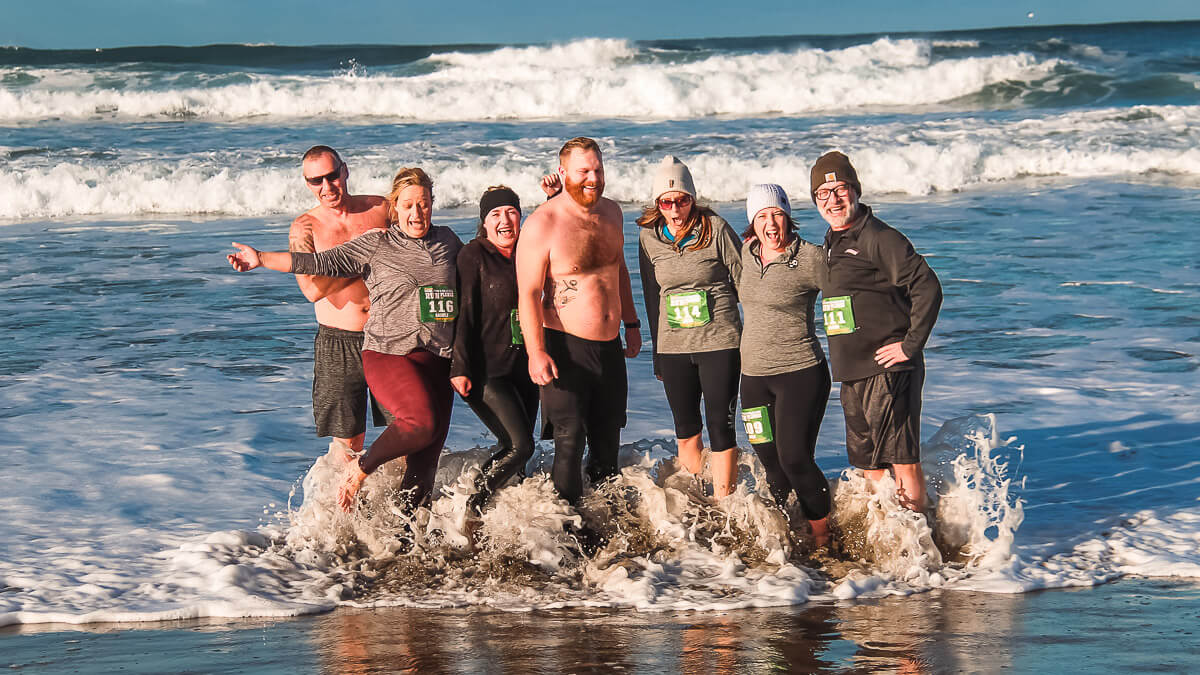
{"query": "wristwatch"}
(633, 324)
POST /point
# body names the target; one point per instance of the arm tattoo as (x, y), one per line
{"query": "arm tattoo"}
(302, 241)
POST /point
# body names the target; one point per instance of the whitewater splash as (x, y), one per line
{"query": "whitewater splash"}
(657, 542)
(587, 78)
(911, 157)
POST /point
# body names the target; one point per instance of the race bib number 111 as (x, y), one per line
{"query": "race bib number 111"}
(839, 315)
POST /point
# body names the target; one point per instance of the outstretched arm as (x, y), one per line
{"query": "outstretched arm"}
(248, 258)
(314, 288)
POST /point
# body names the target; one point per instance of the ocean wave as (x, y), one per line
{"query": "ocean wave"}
(907, 158)
(590, 78)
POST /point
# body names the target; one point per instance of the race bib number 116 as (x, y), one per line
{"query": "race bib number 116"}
(438, 303)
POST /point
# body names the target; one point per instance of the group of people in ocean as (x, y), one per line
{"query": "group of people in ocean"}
(531, 313)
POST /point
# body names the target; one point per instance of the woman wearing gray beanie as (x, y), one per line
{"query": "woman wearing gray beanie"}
(785, 379)
(689, 258)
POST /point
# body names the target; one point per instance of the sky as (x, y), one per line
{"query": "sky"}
(84, 24)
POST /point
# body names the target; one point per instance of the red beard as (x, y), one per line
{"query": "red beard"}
(583, 198)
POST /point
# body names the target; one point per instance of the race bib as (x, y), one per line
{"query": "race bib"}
(687, 310)
(758, 425)
(514, 324)
(437, 303)
(839, 315)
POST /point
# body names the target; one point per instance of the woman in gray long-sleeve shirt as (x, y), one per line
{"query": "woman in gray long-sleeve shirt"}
(688, 257)
(785, 378)
(409, 270)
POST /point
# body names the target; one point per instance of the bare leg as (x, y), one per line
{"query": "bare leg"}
(355, 444)
(724, 471)
(910, 486)
(820, 531)
(690, 457)
(874, 474)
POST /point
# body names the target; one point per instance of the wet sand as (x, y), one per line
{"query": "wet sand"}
(1132, 625)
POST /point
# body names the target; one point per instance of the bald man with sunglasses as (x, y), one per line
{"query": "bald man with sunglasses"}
(340, 397)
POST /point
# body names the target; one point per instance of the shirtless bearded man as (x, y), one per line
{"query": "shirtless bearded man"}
(574, 292)
(339, 388)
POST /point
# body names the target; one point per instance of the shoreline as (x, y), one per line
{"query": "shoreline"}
(938, 631)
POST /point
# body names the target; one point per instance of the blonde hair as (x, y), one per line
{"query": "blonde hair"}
(406, 177)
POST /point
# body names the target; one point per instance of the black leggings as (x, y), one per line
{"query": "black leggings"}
(795, 404)
(715, 375)
(507, 405)
(584, 405)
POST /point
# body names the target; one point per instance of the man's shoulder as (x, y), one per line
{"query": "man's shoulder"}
(307, 220)
(610, 209)
(879, 229)
(539, 221)
(375, 210)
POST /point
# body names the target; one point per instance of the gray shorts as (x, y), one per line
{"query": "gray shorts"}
(883, 418)
(339, 386)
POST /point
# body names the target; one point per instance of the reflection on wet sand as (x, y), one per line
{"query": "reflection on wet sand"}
(930, 633)
(937, 632)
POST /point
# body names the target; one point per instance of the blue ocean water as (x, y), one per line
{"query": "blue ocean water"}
(154, 405)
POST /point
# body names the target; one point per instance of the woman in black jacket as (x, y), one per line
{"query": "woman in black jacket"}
(489, 367)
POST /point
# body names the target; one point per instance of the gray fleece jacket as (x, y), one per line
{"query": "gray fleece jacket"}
(778, 300)
(411, 283)
(671, 280)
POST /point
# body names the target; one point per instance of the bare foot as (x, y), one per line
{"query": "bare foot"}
(350, 487)
(820, 532)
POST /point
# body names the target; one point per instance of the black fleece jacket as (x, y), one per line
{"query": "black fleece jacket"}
(487, 291)
(894, 294)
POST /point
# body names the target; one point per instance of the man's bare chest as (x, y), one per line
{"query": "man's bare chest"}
(585, 250)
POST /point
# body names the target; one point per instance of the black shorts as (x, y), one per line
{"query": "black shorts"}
(339, 387)
(883, 418)
(591, 389)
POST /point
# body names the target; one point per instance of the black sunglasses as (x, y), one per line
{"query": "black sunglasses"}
(331, 176)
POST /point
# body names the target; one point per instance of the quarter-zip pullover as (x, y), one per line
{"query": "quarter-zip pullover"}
(666, 271)
(778, 300)
(395, 268)
(894, 296)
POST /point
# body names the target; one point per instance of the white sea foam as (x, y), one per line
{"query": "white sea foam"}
(910, 157)
(667, 546)
(585, 78)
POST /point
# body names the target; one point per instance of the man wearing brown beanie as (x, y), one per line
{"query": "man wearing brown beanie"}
(879, 305)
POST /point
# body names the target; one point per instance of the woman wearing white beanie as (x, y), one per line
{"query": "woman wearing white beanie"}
(785, 378)
(689, 257)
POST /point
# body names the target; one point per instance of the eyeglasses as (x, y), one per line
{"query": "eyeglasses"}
(332, 176)
(824, 193)
(680, 202)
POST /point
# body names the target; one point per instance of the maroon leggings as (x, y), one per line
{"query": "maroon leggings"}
(415, 389)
